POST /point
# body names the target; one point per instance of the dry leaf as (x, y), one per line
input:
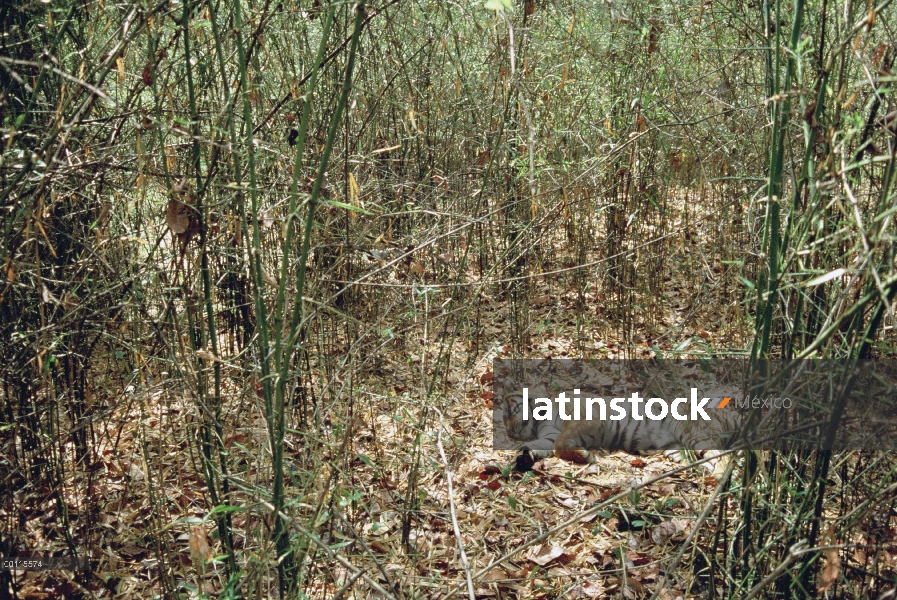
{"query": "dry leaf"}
(416, 268)
(640, 123)
(666, 594)
(542, 555)
(132, 550)
(382, 151)
(567, 502)
(592, 469)
(588, 589)
(206, 355)
(269, 279)
(632, 588)
(832, 568)
(663, 532)
(199, 545)
(495, 575)
(135, 472)
(171, 157)
(830, 572)
(176, 216)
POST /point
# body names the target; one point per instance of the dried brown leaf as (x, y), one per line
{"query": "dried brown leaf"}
(495, 575)
(567, 501)
(662, 533)
(416, 268)
(176, 216)
(832, 568)
(542, 555)
(199, 544)
(830, 572)
(588, 589)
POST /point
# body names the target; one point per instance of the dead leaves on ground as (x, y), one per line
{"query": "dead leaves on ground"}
(542, 555)
(832, 569)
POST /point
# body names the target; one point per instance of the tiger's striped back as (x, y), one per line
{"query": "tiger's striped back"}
(573, 440)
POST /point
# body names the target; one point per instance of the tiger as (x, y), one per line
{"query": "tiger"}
(575, 440)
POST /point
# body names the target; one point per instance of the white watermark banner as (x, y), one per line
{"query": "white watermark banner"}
(696, 404)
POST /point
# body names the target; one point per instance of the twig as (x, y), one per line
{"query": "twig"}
(711, 502)
(28, 63)
(346, 586)
(588, 513)
(448, 479)
(367, 549)
(329, 550)
(796, 550)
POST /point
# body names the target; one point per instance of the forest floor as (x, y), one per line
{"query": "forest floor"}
(376, 493)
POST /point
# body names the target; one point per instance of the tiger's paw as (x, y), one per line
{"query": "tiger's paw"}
(525, 461)
(582, 457)
(529, 457)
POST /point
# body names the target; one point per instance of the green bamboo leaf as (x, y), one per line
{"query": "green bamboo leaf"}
(499, 4)
(339, 204)
(824, 278)
(227, 508)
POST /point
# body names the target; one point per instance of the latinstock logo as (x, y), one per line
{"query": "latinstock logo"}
(592, 408)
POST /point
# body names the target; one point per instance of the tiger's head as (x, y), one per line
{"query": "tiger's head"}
(512, 415)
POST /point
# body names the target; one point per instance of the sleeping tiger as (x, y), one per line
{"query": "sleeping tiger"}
(575, 440)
